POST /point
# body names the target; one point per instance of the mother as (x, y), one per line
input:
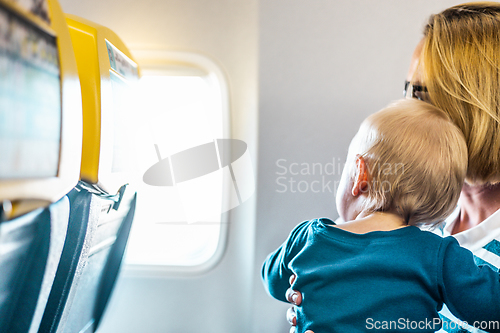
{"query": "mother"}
(456, 67)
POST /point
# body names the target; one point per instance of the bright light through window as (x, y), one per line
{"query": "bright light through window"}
(180, 224)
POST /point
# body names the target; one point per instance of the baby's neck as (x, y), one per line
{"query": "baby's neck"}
(378, 221)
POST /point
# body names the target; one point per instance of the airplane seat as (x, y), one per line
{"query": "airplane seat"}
(90, 261)
(102, 206)
(30, 248)
(113, 264)
(40, 145)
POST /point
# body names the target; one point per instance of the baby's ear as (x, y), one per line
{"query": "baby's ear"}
(360, 185)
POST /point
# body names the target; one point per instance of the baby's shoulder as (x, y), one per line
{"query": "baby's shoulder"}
(304, 228)
(437, 241)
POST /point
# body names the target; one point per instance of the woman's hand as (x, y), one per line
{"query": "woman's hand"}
(294, 297)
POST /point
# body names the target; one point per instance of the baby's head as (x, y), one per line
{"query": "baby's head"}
(416, 162)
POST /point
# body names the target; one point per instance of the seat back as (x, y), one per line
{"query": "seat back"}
(24, 246)
(30, 249)
(102, 206)
(90, 261)
(40, 141)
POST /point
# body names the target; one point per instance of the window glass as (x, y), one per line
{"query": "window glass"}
(178, 221)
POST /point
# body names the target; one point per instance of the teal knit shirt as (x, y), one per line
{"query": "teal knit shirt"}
(393, 281)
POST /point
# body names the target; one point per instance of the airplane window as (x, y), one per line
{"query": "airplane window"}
(178, 219)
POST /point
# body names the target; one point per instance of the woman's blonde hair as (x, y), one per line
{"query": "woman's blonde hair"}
(416, 159)
(460, 66)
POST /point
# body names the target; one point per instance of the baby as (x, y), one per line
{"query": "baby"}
(405, 169)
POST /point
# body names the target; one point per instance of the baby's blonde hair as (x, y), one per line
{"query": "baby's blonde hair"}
(460, 65)
(417, 161)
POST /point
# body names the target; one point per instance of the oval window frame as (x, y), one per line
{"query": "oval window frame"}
(162, 62)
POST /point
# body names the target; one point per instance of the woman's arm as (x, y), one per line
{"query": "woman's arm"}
(294, 297)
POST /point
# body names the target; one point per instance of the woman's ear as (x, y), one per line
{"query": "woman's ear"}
(361, 178)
